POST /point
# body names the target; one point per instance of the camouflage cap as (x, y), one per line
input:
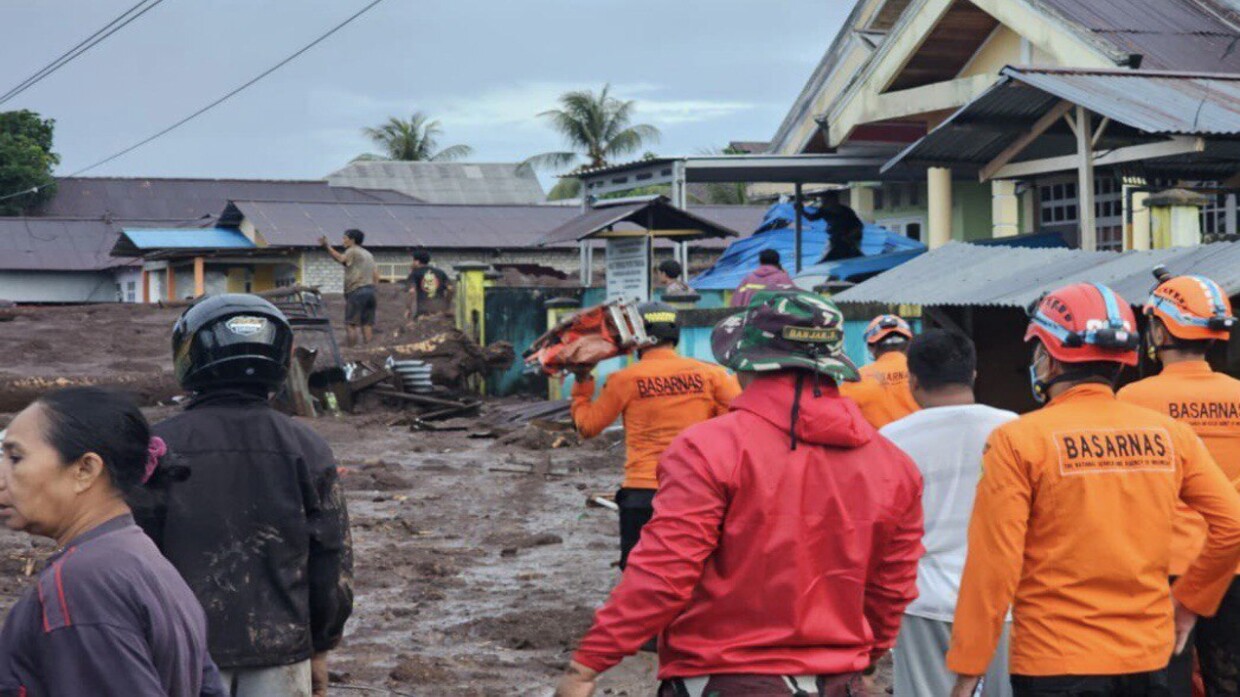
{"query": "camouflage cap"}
(785, 331)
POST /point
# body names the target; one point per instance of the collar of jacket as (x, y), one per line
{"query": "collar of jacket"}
(1187, 368)
(229, 396)
(1086, 391)
(892, 360)
(659, 353)
(827, 420)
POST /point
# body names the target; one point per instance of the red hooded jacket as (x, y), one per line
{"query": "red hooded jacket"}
(763, 278)
(764, 559)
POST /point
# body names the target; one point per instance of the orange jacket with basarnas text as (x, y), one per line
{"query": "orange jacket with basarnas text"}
(659, 396)
(883, 392)
(1071, 528)
(1209, 403)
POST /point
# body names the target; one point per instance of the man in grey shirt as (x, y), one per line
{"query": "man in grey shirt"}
(361, 275)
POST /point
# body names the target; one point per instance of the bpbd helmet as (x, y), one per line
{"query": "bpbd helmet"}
(232, 339)
(660, 321)
(884, 326)
(1085, 322)
(1192, 308)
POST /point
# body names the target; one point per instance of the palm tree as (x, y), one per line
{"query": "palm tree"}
(415, 140)
(597, 128)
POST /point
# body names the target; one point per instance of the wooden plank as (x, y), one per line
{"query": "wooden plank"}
(1018, 146)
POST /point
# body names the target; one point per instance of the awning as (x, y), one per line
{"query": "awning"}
(1164, 124)
(655, 216)
(139, 242)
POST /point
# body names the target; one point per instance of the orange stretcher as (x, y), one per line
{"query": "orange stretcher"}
(585, 338)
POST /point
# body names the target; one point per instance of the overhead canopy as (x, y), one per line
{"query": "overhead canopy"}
(961, 274)
(138, 242)
(858, 164)
(655, 216)
(1159, 123)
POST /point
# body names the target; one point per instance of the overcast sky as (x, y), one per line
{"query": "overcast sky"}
(703, 71)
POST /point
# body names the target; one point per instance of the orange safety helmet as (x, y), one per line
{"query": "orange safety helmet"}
(1085, 322)
(884, 326)
(1192, 308)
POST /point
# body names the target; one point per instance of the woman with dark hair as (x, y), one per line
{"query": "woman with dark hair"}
(108, 615)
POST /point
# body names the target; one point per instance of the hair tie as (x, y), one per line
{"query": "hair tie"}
(155, 450)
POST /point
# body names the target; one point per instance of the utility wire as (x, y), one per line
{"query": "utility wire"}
(231, 94)
(85, 45)
(213, 104)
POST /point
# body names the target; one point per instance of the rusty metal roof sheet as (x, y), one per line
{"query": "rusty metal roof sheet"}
(1166, 34)
(960, 274)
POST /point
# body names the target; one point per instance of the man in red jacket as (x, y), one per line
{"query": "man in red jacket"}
(786, 534)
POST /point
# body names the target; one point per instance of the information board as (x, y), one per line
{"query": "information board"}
(628, 269)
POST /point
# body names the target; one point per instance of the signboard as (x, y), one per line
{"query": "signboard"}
(628, 268)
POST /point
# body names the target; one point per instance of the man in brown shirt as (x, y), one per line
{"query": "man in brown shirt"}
(361, 275)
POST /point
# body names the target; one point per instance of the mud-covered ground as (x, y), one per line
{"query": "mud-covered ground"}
(469, 580)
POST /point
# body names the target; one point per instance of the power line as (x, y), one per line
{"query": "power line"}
(215, 103)
(231, 94)
(83, 46)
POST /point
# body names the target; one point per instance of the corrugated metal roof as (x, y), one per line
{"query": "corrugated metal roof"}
(180, 238)
(447, 182)
(292, 224)
(52, 244)
(974, 275)
(1143, 107)
(1167, 34)
(656, 214)
(188, 200)
(1164, 103)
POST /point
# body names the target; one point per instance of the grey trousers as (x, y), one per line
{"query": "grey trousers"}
(276, 681)
(921, 661)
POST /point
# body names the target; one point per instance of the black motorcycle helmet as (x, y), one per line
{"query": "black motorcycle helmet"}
(660, 321)
(232, 340)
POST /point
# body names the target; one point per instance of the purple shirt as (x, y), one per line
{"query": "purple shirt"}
(108, 617)
(763, 278)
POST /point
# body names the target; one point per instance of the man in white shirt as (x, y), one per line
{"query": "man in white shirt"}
(946, 439)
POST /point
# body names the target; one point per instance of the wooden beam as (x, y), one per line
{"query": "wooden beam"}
(1101, 131)
(1018, 146)
(171, 290)
(1085, 175)
(1178, 145)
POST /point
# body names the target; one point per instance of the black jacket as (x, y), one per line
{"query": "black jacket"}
(259, 530)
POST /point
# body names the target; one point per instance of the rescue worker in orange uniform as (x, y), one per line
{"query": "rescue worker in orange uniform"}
(883, 393)
(1072, 523)
(1186, 315)
(659, 396)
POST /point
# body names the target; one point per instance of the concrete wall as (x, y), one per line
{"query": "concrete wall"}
(58, 286)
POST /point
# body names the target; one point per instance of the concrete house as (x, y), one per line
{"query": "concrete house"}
(900, 69)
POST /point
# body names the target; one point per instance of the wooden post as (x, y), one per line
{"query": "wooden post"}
(146, 287)
(200, 277)
(172, 283)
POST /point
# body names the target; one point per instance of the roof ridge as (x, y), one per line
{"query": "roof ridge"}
(206, 179)
(410, 204)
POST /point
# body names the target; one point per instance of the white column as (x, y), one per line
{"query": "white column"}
(1141, 222)
(939, 201)
(1085, 172)
(1004, 208)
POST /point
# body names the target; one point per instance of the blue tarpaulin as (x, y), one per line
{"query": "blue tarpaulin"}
(880, 248)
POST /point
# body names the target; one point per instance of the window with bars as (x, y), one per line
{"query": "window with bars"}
(1060, 207)
(393, 273)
